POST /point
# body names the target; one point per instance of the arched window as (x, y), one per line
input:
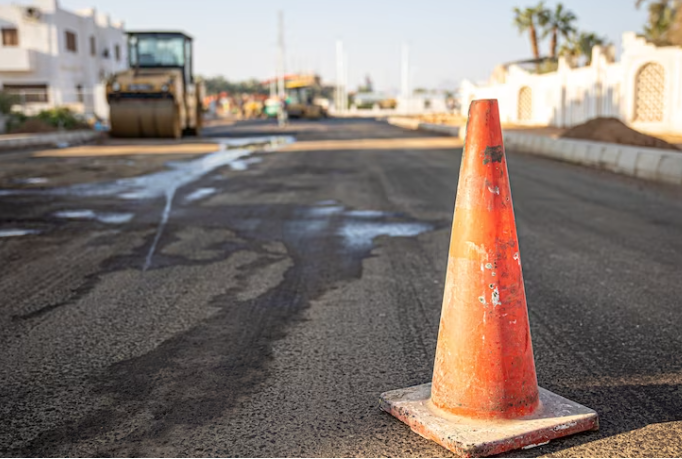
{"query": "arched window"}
(525, 106)
(649, 93)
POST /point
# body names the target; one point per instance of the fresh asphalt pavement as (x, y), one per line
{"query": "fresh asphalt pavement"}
(258, 305)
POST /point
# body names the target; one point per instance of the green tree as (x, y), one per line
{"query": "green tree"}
(579, 46)
(570, 48)
(663, 16)
(219, 84)
(555, 23)
(675, 32)
(587, 41)
(368, 86)
(527, 20)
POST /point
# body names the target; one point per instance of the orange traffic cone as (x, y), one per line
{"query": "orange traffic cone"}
(484, 398)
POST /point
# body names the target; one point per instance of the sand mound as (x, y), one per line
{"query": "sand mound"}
(614, 130)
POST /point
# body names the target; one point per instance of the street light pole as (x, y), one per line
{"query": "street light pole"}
(340, 106)
(405, 83)
(346, 79)
(281, 113)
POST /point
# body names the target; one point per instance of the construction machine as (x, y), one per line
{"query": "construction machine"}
(303, 97)
(158, 96)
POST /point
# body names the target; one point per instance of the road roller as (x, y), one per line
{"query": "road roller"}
(158, 96)
(303, 99)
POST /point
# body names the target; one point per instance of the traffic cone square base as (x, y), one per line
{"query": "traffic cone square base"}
(556, 417)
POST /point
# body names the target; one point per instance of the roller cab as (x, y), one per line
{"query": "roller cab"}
(158, 97)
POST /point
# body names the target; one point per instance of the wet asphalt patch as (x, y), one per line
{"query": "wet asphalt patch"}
(326, 243)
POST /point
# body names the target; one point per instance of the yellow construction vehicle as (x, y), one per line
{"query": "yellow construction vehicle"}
(303, 97)
(159, 95)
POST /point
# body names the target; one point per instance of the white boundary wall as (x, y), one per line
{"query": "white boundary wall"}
(572, 96)
(647, 163)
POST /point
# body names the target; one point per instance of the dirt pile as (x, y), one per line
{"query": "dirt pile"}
(614, 130)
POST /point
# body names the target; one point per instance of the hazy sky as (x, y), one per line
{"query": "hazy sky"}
(449, 40)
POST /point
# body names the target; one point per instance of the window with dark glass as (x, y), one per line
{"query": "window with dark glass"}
(10, 36)
(156, 51)
(28, 93)
(71, 44)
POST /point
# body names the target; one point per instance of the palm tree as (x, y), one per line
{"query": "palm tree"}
(555, 23)
(662, 17)
(580, 45)
(675, 32)
(527, 20)
(587, 41)
(571, 48)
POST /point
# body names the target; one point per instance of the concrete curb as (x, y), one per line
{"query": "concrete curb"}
(647, 163)
(10, 142)
(415, 124)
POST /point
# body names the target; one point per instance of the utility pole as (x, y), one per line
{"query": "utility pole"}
(346, 79)
(281, 113)
(340, 76)
(405, 74)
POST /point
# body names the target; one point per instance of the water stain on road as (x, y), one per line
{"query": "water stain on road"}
(31, 181)
(14, 232)
(165, 183)
(178, 173)
(243, 164)
(196, 376)
(356, 228)
(200, 193)
(222, 359)
(104, 217)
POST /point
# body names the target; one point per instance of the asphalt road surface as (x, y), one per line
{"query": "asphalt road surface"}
(256, 303)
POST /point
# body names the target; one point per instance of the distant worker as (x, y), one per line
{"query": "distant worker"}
(239, 106)
(251, 108)
(225, 105)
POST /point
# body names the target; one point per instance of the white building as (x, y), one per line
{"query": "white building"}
(644, 89)
(418, 104)
(53, 57)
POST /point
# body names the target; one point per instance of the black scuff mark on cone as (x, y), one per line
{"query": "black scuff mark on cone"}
(493, 154)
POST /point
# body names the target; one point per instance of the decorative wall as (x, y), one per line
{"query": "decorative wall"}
(643, 88)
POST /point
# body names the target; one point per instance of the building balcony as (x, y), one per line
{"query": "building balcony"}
(16, 60)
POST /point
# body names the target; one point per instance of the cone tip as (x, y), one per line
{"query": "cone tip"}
(479, 105)
(484, 101)
(484, 122)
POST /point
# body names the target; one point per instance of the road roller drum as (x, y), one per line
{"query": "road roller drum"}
(155, 119)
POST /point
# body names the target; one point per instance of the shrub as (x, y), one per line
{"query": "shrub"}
(45, 121)
(60, 117)
(14, 121)
(29, 126)
(7, 100)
